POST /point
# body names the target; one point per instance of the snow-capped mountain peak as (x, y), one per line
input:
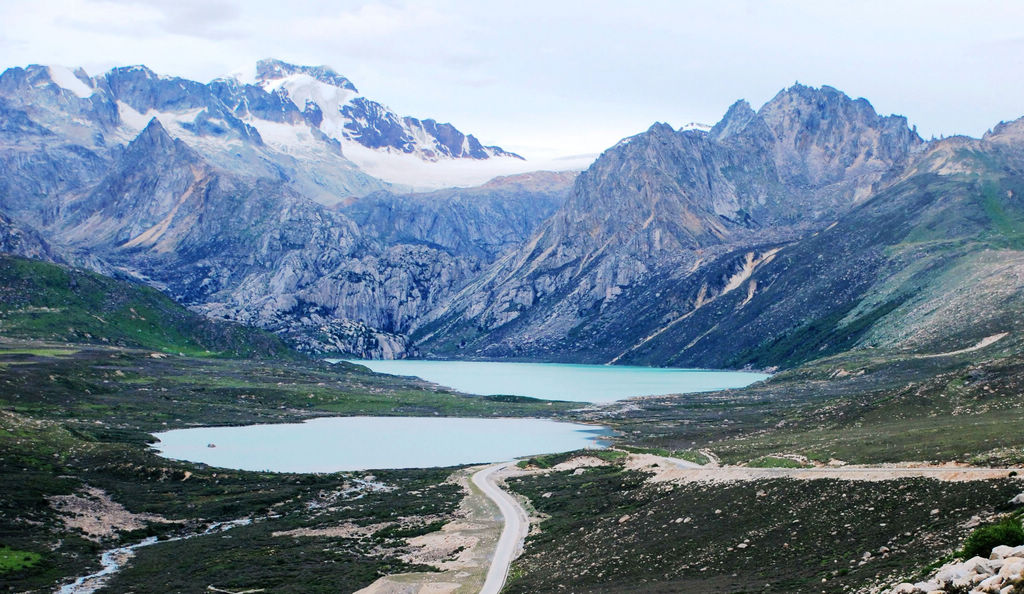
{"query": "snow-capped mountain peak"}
(379, 141)
(269, 70)
(309, 123)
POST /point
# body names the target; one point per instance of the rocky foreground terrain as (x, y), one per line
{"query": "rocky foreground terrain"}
(1002, 572)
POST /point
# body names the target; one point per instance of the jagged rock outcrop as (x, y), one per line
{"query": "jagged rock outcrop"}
(21, 241)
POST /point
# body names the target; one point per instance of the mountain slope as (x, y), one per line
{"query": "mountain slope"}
(250, 249)
(218, 194)
(62, 128)
(931, 264)
(662, 208)
(483, 221)
(332, 103)
(22, 241)
(43, 301)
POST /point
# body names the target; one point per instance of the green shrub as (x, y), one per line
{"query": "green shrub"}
(981, 542)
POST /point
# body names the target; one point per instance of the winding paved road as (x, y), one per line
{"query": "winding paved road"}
(512, 535)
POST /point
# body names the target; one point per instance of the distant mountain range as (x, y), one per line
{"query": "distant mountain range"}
(226, 195)
(808, 226)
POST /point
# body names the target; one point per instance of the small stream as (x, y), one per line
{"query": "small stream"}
(114, 560)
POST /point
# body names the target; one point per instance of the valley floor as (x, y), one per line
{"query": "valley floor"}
(77, 476)
(811, 482)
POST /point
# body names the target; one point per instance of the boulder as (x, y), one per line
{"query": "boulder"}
(1012, 569)
(950, 573)
(990, 585)
(978, 565)
(1004, 552)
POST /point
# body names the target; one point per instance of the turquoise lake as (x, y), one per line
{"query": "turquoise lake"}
(361, 443)
(364, 443)
(557, 381)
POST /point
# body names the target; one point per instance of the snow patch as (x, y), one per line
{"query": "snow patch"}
(171, 120)
(696, 126)
(303, 88)
(131, 118)
(294, 139)
(410, 170)
(65, 78)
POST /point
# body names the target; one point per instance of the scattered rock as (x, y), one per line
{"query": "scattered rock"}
(1002, 574)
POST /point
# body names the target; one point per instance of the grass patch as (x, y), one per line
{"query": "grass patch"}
(15, 560)
(775, 462)
(399, 531)
(550, 460)
(45, 301)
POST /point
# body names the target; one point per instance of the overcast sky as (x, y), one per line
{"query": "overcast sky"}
(552, 77)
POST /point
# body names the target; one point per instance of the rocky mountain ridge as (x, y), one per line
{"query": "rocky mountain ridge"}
(250, 249)
(775, 236)
(222, 195)
(669, 211)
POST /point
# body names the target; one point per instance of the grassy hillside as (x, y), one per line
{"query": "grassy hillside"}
(860, 407)
(49, 302)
